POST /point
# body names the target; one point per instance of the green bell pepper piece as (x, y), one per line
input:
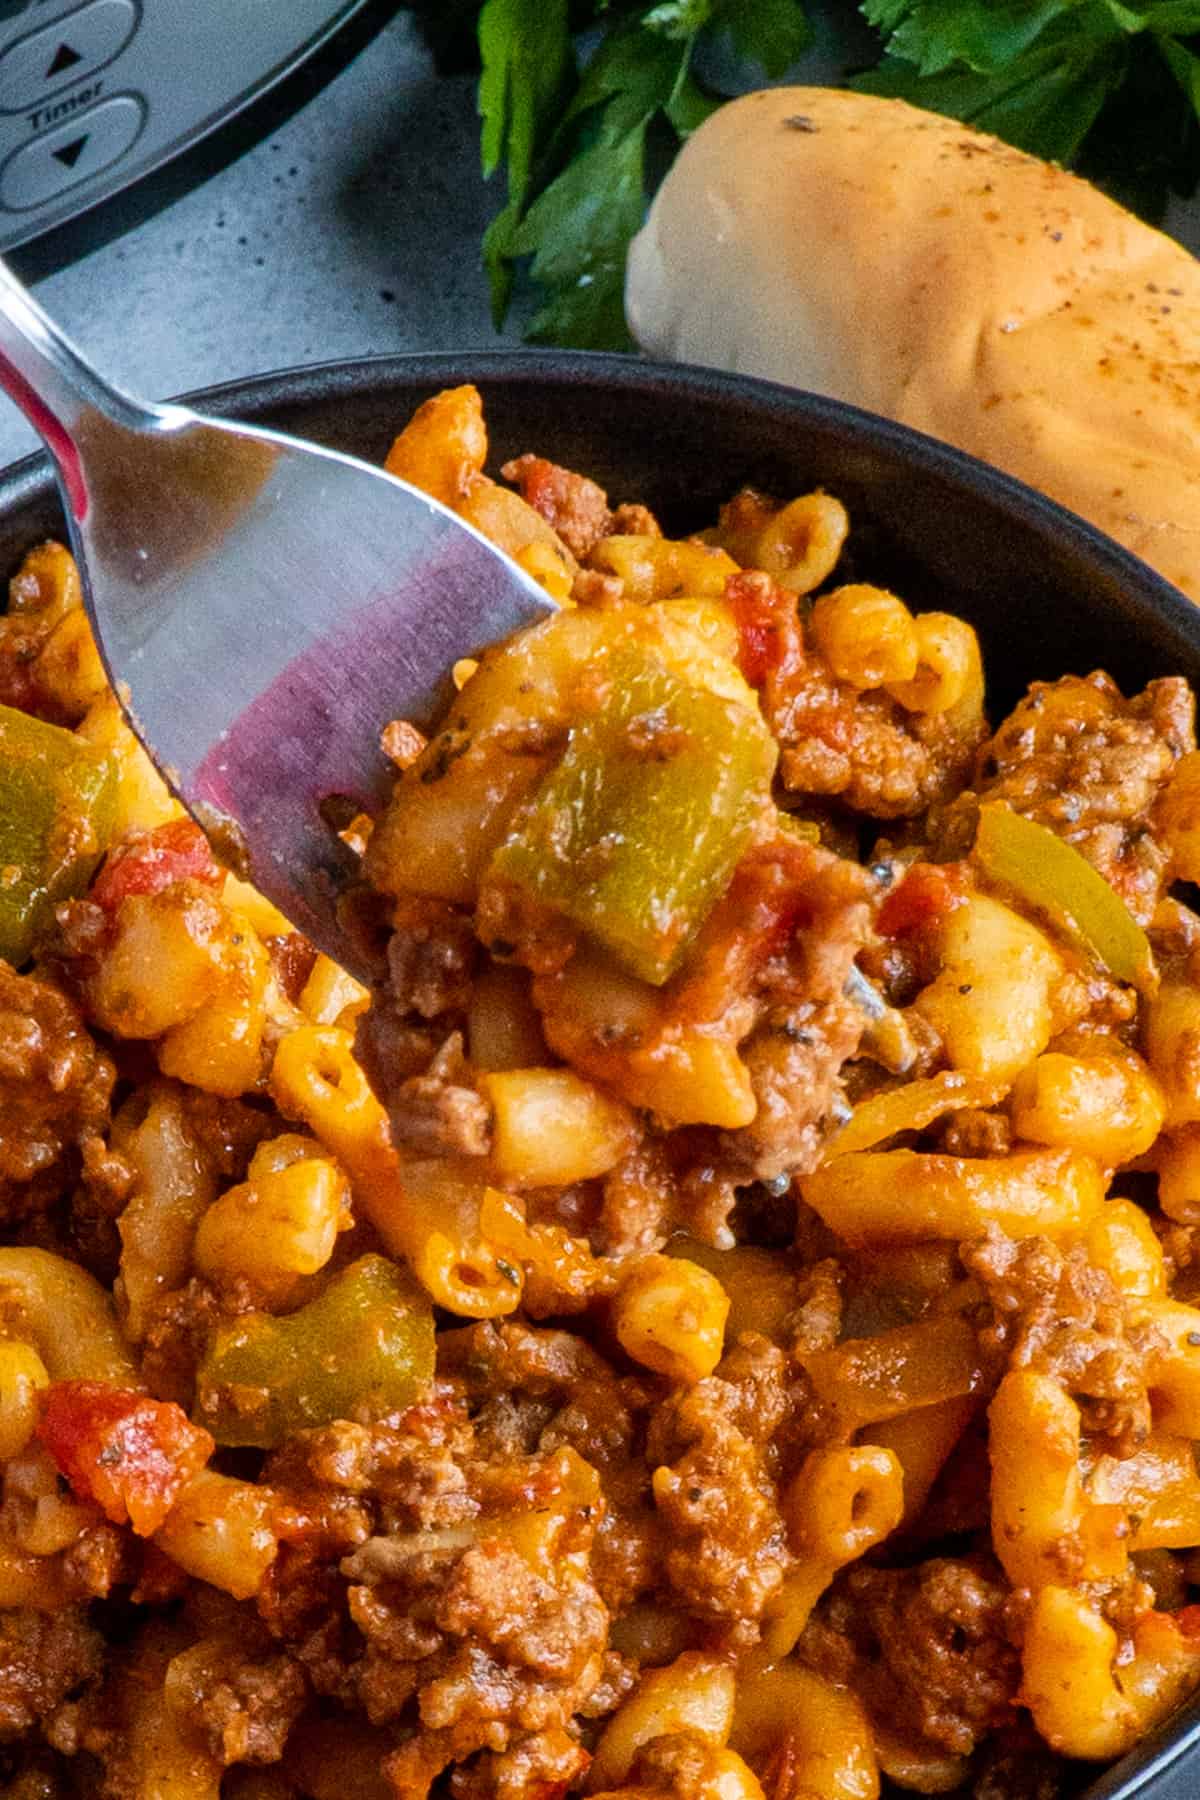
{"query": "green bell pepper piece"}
(364, 1347)
(1044, 870)
(57, 809)
(637, 830)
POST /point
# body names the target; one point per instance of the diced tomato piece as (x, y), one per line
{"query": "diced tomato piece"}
(150, 861)
(130, 1454)
(754, 603)
(926, 894)
(1188, 1621)
(771, 641)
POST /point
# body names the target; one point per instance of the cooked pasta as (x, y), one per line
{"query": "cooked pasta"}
(715, 1317)
(868, 636)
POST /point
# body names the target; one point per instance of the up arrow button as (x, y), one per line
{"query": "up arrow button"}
(58, 56)
(64, 58)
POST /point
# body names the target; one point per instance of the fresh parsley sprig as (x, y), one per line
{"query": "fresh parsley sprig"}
(583, 101)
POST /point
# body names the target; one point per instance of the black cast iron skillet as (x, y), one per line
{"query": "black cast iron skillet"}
(1048, 594)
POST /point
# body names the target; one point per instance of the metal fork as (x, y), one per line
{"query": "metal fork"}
(263, 607)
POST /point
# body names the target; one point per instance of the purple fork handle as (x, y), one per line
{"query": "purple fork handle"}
(53, 433)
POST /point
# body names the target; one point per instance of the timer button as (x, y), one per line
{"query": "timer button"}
(72, 152)
(59, 55)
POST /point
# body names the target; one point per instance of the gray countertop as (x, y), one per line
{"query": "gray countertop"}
(353, 229)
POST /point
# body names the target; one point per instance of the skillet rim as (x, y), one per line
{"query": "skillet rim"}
(1144, 595)
(1156, 614)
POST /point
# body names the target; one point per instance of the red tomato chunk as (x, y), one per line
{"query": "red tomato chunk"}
(927, 893)
(150, 861)
(132, 1455)
(759, 617)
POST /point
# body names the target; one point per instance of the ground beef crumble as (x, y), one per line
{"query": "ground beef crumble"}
(55, 1088)
(491, 1650)
(575, 506)
(240, 1697)
(440, 1112)
(1056, 1312)
(431, 957)
(1079, 758)
(808, 1027)
(44, 1657)
(727, 1549)
(932, 1649)
(466, 1590)
(857, 747)
(418, 1588)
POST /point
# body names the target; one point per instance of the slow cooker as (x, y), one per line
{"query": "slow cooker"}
(98, 95)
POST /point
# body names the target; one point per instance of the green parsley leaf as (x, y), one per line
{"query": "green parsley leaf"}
(1145, 145)
(1034, 74)
(934, 35)
(689, 106)
(1108, 86)
(578, 233)
(1185, 66)
(771, 33)
(632, 75)
(527, 62)
(586, 196)
(886, 15)
(678, 19)
(1175, 17)
(1047, 109)
(579, 228)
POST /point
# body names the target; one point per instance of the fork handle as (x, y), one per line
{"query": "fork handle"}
(46, 376)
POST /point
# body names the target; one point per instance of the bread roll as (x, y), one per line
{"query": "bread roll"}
(864, 249)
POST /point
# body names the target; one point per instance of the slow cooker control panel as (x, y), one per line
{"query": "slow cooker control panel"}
(95, 93)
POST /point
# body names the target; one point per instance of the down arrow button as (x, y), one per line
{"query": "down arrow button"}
(69, 154)
(75, 151)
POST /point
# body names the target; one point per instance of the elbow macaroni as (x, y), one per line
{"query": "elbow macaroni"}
(552, 1128)
(993, 1001)
(223, 1532)
(947, 665)
(428, 1213)
(821, 1727)
(1084, 1701)
(1105, 1103)
(23, 1375)
(280, 1224)
(695, 1693)
(866, 635)
(71, 1320)
(1043, 1525)
(878, 1198)
(669, 1315)
(800, 544)
(841, 1504)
